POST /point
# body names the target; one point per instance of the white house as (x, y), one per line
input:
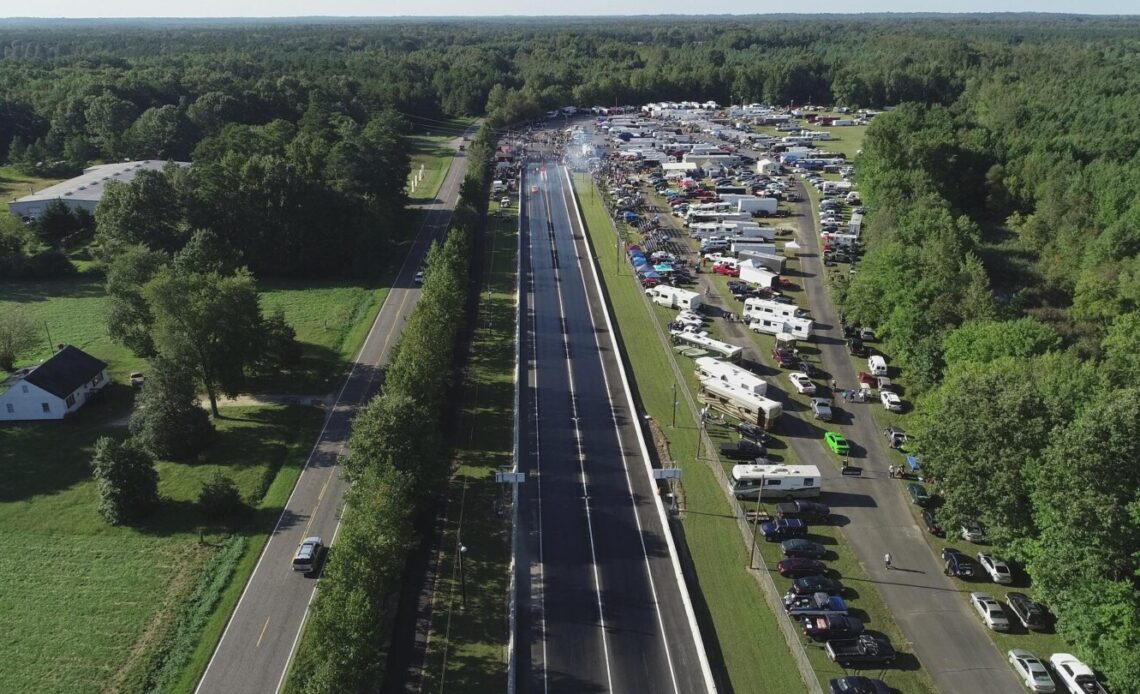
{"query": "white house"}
(54, 389)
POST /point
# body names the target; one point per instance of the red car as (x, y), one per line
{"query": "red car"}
(729, 270)
(784, 357)
(796, 567)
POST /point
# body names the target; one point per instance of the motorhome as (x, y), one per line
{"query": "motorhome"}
(775, 481)
(674, 297)
(737, 402)
(797, 328)
(703, 341)
(716, 369)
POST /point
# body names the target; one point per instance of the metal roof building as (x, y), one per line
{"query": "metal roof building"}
(84, 192)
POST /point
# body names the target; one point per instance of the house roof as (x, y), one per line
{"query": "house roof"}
(91, 184)
(65, 371)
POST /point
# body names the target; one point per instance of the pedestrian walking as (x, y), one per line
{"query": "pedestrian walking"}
(892, 469)
(887, 560)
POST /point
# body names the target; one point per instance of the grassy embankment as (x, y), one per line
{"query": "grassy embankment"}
(467, 643)
(740, 629)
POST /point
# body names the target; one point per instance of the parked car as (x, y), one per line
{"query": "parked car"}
(830, 626)
(821, 408)
(837, 443)
(972, 531)
(990, 611)
(794, 567)
(1031, 671)
(856, 348)
(996, 568)
(1031, 614)
(931, 523)
(783, 528)
(896, 437)
(801, 382)
(891, 401)
(810, 585)
(866, 333)
(808, 368)
(813, 603)
(918, 494)
(865, 649)
(783, 357)
(857, 684)
(957, 564)
(799, 547)
(1077, 677)
(743, 450)
(752, 432)
(801, 508)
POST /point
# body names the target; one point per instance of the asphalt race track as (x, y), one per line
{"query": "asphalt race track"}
(603, 608)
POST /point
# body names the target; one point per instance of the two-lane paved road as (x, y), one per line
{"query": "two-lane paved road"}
(608, 610)
(258, 643)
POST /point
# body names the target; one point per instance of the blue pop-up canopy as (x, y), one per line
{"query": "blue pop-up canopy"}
(912, 462)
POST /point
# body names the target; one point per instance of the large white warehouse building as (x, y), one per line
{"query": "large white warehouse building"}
(83, 192)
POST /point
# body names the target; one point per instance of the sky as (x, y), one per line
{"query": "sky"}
(429, 8)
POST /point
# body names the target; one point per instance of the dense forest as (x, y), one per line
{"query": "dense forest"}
(1003, 196)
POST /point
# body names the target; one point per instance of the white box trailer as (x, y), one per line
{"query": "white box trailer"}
(794, 328)
(752, 245)
(840, 240)
(674, 297)
(739, 403)
(757, 273)
(725, 350)
(773, 262)
(712, 368)
(758, 206)
(775, 481)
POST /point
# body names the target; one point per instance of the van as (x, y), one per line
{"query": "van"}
(307, 554)
(877, 365)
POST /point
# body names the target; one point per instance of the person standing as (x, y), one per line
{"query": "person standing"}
(887, 560)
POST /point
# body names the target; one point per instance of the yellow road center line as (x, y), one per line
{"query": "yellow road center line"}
(259, 638)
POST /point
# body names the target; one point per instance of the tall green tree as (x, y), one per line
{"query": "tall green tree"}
(126, 481)
(18, 335)
(168, 421)
(129, 316)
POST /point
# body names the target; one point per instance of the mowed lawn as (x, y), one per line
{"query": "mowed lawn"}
(14, 184)
(89, 607)
(331, 319)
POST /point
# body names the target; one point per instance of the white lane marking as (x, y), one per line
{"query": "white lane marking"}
(625, 468)
(308, 463)
(581, 461)
(698, 640)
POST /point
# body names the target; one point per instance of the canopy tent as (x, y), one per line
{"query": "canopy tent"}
(912, 462)
(663, 267)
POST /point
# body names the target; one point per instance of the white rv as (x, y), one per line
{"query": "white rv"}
(737, 402)
(674, 297)
(702, 340)
(877, 365)
(715, 369)
(797, 328)
(775, 481)
(766, 308)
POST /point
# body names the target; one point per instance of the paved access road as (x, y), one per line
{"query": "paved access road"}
(257, 646)
(605, 605)
(947, 636)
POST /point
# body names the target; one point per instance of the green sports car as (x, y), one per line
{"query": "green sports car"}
(836, 443)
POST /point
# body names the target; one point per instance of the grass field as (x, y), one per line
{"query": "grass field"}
(90, 607)
(430, 151)
(14, 184)
(741, 634)
(331, 320)
(467, 645)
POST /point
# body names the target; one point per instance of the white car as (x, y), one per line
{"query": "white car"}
(990, 611)
(801, 382)
(686, 321)
(890, 400)
(419, 278)
(821, 408)
(1077, 677)
(996, 568)
(1031, 671)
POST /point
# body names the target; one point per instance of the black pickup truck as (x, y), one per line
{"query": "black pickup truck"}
(865, 649)
(743, 450)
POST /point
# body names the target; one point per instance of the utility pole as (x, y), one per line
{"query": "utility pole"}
(756, 523)
(462, 575)
(674, 424)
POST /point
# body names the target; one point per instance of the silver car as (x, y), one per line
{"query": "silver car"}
(990, 611)
(1031, 671)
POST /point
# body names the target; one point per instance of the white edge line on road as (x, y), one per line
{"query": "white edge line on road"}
(706, 670)
(581, 454)
(621, 449)
(308, 461)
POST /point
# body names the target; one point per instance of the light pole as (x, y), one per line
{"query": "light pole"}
(674, 424)
(462, 575)
(756, 523)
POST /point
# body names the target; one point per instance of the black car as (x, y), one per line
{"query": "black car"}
(799, 547)
(857, 684)
(1031, 614)
(810, 585)
(957, 564)
(776, 530)
(743, 449)
(800, 508)
(752, 432)
(856, 347)
(931, 524)
(808, 369)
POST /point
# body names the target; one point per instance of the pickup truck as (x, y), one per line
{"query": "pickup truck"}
(865, 649)
(814, 604)
(822, 627)
(743, 450)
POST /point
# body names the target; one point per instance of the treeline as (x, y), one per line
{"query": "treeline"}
(398, 464)
(1003, 272)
